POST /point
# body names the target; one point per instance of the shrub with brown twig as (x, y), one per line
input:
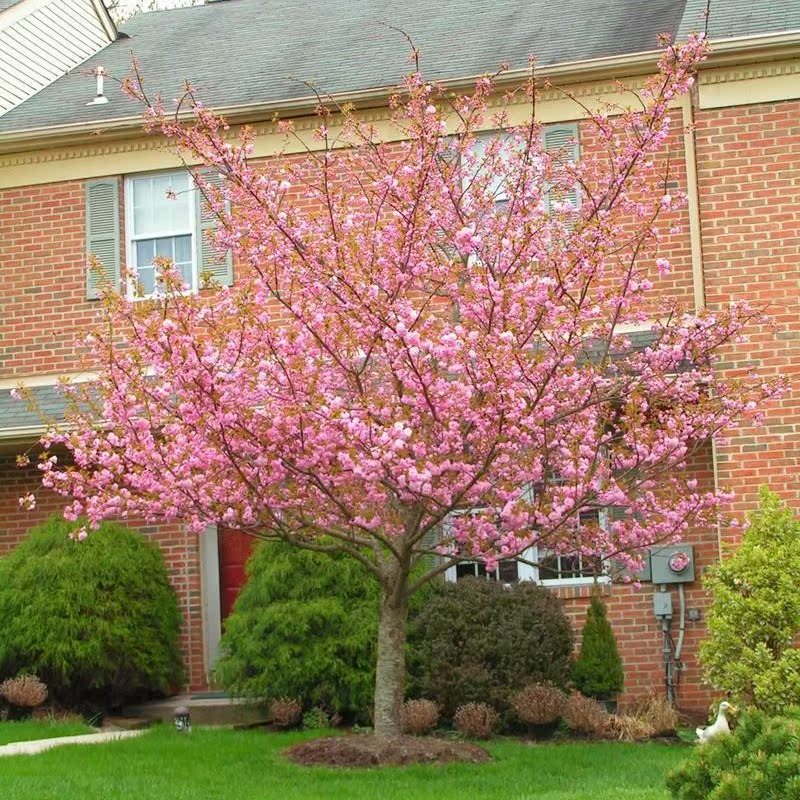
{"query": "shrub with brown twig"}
(659, 713)
(476, 720)
(285, 712)
(419, 717)
(540, 704)
(628, 728)
(586, 715)
(25, 691)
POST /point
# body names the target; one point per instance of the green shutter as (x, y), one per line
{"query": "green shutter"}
(562, 140)
(212, 264)
(102, 234)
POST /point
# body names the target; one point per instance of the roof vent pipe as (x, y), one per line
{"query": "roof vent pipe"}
(99, 72)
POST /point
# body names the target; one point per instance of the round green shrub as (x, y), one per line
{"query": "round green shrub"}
(96, 620)
(304, 625)
(760, 760)
(754, 618)
(597, 671)
(479, 641)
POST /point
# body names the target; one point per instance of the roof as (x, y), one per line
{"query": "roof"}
(239, 52)
(4, 4)
(15, 414)
(730, 18)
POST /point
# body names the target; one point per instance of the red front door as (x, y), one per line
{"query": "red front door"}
(234, 550)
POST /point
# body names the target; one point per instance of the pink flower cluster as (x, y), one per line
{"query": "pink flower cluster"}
(399, 345)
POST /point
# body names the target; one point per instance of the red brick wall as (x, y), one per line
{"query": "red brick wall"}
(180, 550)
(749, 174)
(749, 191)
(43, 256)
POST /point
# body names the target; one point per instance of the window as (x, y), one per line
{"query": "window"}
(560, 140)
(160, 221)
(549, 569)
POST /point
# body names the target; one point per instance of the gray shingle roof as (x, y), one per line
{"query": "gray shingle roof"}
(243, 51)
(731, 18)
(15, 414)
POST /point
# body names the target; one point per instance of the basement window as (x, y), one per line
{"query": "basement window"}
(540, 566)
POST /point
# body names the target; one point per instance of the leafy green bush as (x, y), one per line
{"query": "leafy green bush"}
(754, 617)
(304, 626)
(597, 671)
(477, 641)
(97, 620)
(760, 760)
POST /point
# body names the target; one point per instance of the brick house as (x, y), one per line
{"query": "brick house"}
(79, 177)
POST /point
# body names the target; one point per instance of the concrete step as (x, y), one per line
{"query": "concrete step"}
(205, 708)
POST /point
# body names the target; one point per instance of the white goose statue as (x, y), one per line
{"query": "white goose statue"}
(720, 725)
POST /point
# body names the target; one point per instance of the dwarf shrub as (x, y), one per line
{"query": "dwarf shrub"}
(754, 618)
(97, 620)
(586, 715)
(597, 671)
(304, 626)
(760, 760)
(476, 640)
(419, 717)
(476, 720)
(539, 705)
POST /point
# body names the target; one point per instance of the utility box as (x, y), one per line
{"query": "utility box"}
(662, 605)
(672, 564)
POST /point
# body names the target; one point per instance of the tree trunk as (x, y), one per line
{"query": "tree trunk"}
(390, 673)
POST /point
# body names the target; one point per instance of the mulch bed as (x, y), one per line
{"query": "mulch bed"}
(367, 751)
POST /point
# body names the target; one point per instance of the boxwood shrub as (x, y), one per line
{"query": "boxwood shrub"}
(96, 620)
(480, 641)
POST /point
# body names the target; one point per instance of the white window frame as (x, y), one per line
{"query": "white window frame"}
(130, 238)
(528, 565)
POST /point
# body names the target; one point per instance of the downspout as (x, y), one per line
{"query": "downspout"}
(696, 244)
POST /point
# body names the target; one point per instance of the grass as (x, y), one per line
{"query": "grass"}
(30, 729)
(248, 765)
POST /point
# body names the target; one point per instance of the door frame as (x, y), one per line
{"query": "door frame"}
(210, 598)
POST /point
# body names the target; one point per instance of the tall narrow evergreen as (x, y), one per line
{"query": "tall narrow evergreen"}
(597, 672)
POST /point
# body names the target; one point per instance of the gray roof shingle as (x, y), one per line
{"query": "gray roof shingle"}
(15, 414)
(244, 51)
(731, 18)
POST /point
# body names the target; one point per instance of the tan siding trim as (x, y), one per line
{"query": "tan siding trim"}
(42, 45)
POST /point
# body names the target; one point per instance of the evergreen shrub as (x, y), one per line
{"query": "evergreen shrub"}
(479, 641)
(96, 620)
(760, 760)
(597, 671)
(754, 618)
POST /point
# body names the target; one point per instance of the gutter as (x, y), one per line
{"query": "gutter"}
(22, 434)
(735, 50)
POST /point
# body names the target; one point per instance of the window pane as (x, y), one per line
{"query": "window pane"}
(465, 570)
(142, 206)
(165, 248)
(147, 280)
(570, 567)
(145, 252)
(154, 211)
(183, 250)
(186, 272)
(508, 571)
(549, 568)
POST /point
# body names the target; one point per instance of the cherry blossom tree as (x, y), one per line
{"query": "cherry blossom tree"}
(424, 322)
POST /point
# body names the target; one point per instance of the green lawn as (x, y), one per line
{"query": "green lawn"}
(248, 765)
(31, 729)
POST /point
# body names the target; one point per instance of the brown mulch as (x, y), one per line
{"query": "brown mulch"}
(367, 751)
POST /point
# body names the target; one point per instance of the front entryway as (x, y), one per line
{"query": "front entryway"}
(234, 550)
